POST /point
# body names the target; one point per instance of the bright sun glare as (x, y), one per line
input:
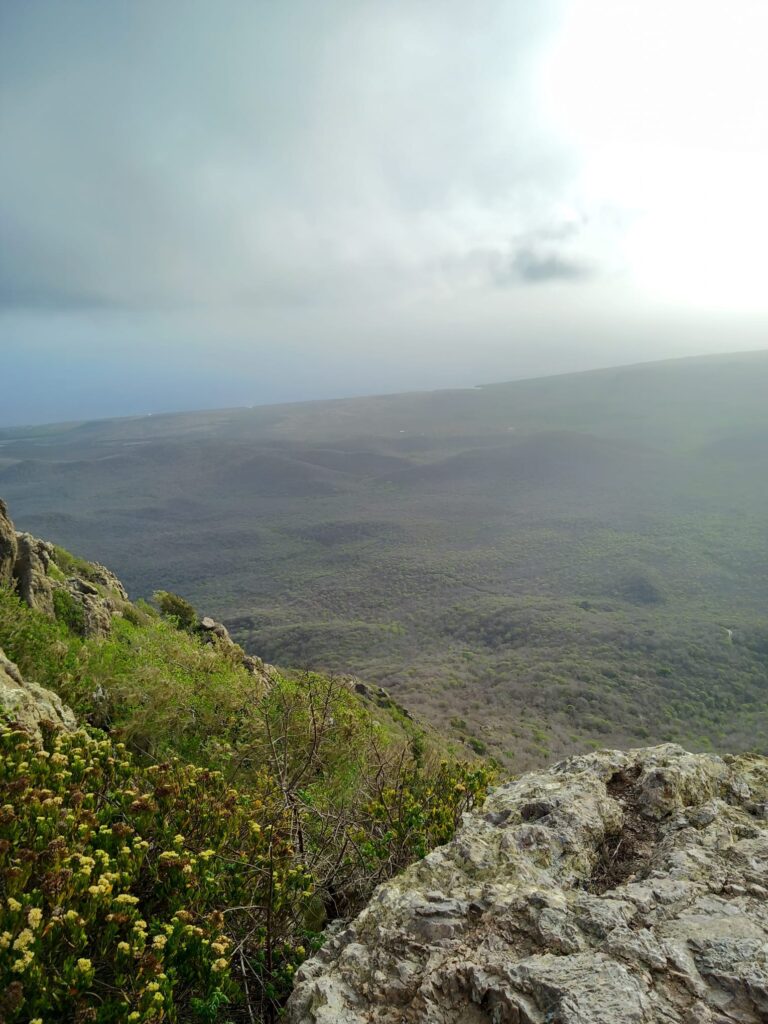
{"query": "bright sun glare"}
(665, 102)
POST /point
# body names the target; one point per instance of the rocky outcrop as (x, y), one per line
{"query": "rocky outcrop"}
(105, 578)
(91, 598)
(28, 705)
(213, 632)
(97, 607)
(30, 571)
(614, 888)
(375, 695)
(8, 545)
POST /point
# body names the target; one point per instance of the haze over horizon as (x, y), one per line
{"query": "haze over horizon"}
(258, 202)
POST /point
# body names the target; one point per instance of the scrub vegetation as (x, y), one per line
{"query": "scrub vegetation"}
(177, 858)
(558, 563)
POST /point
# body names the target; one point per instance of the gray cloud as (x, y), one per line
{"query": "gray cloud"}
(204, 203)
(535, 266)
(177, 153)
(556, 253)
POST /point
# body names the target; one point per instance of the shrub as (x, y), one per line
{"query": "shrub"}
(365, 801)
(125, 886)
(477, 745)
(69, 611)
(69, 564)
(177, 608)
(415, 811)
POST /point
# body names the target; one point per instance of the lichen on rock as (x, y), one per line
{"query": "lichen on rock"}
(614, 888)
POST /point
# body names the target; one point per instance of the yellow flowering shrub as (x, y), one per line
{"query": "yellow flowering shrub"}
(415, 811)
(122, 884)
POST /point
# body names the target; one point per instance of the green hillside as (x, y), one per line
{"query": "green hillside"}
(176, 857)
(537, 566)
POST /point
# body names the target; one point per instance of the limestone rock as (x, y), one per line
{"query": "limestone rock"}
(31, 572)
(28, 705)
(98, 596)
(97, 606)
(93, 597)
(8, 546)
(209, 627)
(614, 888)
(30, 565)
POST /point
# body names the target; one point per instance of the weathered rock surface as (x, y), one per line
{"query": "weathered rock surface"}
(92, 597)
(30, 572)
(87, 599)
(8, 546)
(614, 888)
(97, 593)
(28, 705)
(104, 577)
(30, 564)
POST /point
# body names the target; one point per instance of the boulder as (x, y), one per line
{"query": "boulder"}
(614, 888)
(210, 628)
(28, 705)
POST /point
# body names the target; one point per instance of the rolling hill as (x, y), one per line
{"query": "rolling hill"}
(540, 566)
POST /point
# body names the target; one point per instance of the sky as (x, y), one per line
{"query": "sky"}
(254, 201)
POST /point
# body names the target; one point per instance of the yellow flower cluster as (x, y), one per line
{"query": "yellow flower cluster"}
(20, 965)
(23, 939)
(104, 885)
(96, 844)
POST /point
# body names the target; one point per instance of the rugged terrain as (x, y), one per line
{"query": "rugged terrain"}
(178, 820)
(614, 888)
(536, 567)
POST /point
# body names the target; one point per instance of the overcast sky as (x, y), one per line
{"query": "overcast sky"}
(209, 204)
